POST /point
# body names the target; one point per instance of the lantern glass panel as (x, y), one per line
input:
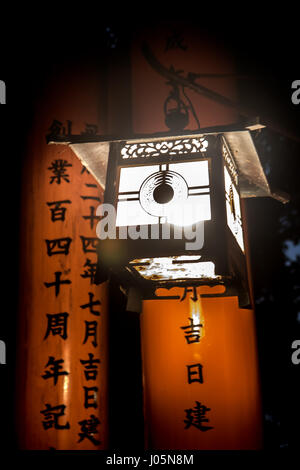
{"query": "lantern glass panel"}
(131, 213)
(132, 177)
(175, 193)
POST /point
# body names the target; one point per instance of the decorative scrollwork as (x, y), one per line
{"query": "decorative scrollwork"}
(230, 163)
(165, 147)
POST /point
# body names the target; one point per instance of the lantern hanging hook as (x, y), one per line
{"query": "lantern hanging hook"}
(175, 110)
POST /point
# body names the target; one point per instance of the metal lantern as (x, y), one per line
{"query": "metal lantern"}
(177, 202)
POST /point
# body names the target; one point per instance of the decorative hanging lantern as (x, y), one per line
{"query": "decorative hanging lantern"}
(172, 213)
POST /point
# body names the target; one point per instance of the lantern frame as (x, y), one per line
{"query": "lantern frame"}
(223, 250)
(229, 147)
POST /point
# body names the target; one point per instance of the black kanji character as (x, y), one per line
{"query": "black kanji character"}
(90, 366)
(58, 212)
(58, 167)
(57, 282)
(88, 429)
(190, 289)
(89, 244)
(55, 369)
(91, 330)
(175, 41)
(91, 304)
(57, 325)
(90, 129)
(90, 272)
(192, 333)
(196, 417)
(84, 170)
(58, 130)
(195, 374)
(52, 415)
(90, 400)
(92, 198)
(58, 246)
(92, 217)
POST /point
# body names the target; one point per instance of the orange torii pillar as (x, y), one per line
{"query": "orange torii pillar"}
(62, 327)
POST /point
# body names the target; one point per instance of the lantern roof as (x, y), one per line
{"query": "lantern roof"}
(93, 152)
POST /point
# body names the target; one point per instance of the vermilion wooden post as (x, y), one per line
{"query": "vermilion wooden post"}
(200, 394)
(62, 360)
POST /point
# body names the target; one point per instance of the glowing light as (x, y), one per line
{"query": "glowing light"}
(174, 267)
(131, 178)
(175, 193)
(170, 179)
(66, 384)
(191, 211)
(196, 313)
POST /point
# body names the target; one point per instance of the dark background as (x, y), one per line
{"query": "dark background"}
(267, 55)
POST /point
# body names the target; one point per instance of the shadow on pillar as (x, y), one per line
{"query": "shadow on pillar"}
(126, 422)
